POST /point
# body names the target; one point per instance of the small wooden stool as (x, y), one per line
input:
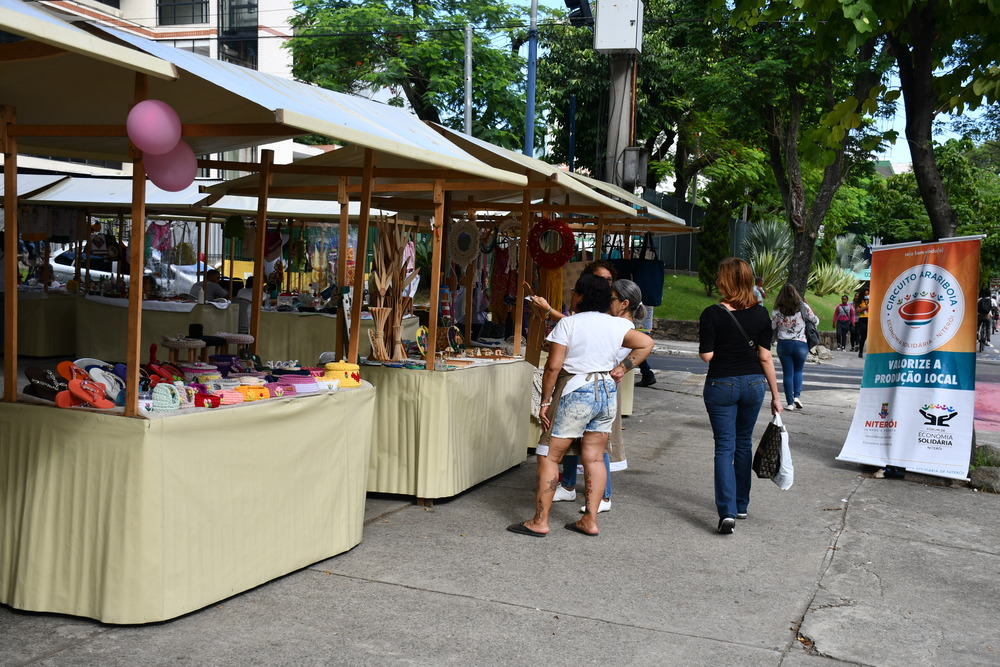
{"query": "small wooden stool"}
(174, 344)
(241, 341)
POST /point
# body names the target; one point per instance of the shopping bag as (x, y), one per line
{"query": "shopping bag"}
(786, 473)
(767, 458)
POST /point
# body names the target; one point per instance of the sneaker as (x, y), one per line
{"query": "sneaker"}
(790, 406)
(798, 403)
(741, 515)
(562, 493)
(727, 525)
(605, 506)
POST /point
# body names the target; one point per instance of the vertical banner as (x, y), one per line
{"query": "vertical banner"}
(915, 408)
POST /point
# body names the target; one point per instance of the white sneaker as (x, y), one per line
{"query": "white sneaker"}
(798, 403)
(562, 493)
(790, 406)
(605, 506)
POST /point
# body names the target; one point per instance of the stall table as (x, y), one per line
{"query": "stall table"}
(141, 520)
(102, 323)
(46, 323)
(305, 336)
(438, 433)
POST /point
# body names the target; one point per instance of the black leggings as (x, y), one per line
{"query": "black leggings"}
(862, 327)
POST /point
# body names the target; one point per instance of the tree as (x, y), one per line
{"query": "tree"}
(946, 54)
(415, 51)
(806, 109)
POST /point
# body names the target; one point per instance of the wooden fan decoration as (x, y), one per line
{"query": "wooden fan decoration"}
(388, 303)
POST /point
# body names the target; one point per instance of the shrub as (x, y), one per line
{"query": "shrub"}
(828, 278)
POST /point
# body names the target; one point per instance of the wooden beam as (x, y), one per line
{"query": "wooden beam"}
(361, 257)
(8, 117)
(28, 50)
(259, 279)
(436, 252)
(187, 130)
(136, 248)
(522, 263)
(345, 220)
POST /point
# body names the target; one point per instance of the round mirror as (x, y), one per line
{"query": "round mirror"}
(550, 241)
(464, 241)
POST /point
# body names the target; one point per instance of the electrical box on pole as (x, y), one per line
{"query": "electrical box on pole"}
(618, 26)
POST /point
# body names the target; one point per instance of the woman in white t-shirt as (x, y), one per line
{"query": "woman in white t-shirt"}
(587, 347)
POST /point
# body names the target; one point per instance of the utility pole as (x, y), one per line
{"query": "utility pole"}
(529, 116)
(468, 80)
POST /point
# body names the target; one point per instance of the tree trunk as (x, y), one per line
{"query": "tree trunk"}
(916, 78)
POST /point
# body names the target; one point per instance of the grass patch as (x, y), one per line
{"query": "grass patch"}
(684, 299)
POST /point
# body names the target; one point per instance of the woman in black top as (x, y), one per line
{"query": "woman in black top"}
(739, 369)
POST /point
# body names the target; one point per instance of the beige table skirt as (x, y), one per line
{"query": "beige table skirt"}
(46, 327)
(102, 329)
(134, 520)
(438, 433)
(304, 336)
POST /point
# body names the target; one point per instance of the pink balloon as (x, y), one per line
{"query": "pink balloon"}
(153, 126)
(172, 171)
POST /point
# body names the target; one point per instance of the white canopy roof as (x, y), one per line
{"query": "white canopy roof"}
(114, 193)
(39, 28)
(28, 184)
(290, 208)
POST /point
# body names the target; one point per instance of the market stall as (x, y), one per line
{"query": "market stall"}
(135, 520)
(135, 517)
(46, 323)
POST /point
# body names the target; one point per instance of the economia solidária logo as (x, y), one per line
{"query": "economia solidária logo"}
(922, 310)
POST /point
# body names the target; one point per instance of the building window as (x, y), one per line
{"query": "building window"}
(200, 46)
(111, 3)
(181, 12)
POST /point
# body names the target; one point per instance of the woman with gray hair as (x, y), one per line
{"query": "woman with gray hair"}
(626, 302)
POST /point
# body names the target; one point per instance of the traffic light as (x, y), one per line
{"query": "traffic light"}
(579, 12)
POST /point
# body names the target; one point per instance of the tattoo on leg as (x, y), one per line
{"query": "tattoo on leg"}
(552, 485)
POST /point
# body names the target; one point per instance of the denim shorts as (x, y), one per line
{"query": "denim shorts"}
(592, 407)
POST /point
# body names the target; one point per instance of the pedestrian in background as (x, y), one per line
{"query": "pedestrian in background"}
(844, 318)
(758, 290)
(735, 340)
(861, 308)
(789, 321)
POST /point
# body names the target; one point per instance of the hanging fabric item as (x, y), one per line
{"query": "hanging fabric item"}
(160, 234)
(273, 242)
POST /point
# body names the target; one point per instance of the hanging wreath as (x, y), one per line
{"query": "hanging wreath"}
(463, 242)
(558, 257)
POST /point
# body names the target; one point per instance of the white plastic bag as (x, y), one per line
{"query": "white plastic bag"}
(786, 473)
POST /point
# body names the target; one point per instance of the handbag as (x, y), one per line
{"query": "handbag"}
(812, 333)
(767, 458)
(648, 272)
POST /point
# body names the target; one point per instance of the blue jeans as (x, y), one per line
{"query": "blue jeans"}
(570, 462)
(792, 354)
(733, 405)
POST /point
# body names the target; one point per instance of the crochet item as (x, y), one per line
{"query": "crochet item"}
(279, 390)
(187, 395)
(303, 384)
(252, 381)
(182, 343)
(348, 374)
(166, 398)
(235, 338)
(253, 393)
(207, 401)
(230, 397)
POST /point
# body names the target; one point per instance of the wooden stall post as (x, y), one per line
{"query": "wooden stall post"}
(266, 159)
(10, 255)
(136, 249)
(436, 236)
(599, 241)
(522, 263)
(345, 218)
(361, 257)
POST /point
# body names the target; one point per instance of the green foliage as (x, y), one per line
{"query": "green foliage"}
(850, 255)
(772, 267)
(416, 51)
(828, 278)
(768, 236)
(684, 299)
(713, 244)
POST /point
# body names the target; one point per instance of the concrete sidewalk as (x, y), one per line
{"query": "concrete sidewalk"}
(842, 568)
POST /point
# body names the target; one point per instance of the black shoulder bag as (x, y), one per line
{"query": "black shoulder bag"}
(753, 346)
